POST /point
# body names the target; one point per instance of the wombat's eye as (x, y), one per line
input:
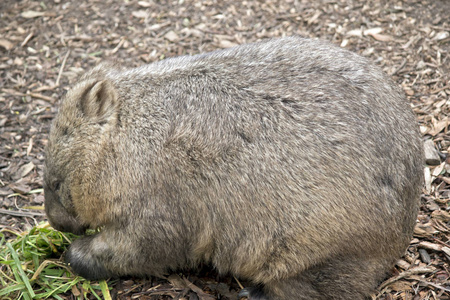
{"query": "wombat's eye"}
(56, 185)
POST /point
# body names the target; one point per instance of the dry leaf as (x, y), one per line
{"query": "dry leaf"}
(430, 246)
(171, 36)
(6, 44)
(438, 170)
(75, 291)
(428, 179)
(382, 37)
(20, 188)
(438, 126)
(446, 179)
(403, 264)
(316, 15)
(442, 35)
(5, 191)
(409, 92)
(191, 32)
(200, 293)
(400, 286)
(446, 250)
(144, 4)
(176, 281)
(372, 31)
(355, 32)
(30, 147)
(441, 215)
(24, 170)
(226, 44)
(424, 230)
(344, 43)
(32, 14)
(139, 14)
(431, 155)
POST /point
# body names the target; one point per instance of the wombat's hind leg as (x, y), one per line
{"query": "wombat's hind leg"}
(341, 279)
(350, 278)
(298, 287)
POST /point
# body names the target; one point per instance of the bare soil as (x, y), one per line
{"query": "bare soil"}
(45, 45)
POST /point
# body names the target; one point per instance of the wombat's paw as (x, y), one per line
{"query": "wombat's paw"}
(252, 293)
(83, 261)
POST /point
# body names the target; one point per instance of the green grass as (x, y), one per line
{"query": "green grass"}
(31, 268)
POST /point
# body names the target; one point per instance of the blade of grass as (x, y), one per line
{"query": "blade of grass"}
(19, 269)
(11, 231)
(12, 288)
(27, 266)
(105, 290)
(59, 289)
(36, 191)
(26, 296)
(40, 268)
(85, 287)
(94, 293)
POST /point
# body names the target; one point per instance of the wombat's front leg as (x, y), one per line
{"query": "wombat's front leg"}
(88, 257)
(120, 251)
(110, 253)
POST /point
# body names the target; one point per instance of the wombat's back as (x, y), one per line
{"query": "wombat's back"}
(292, 149)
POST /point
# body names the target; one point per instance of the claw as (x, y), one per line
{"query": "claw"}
(252, 293)
(244, 293)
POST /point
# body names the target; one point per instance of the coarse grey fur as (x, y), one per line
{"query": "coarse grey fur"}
(289, 162)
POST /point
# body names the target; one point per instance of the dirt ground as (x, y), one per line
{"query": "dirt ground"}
(45, 45)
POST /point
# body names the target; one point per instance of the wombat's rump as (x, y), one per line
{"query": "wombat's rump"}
(290, 162)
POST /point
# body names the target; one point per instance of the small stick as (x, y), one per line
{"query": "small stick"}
(62, 68)
(399, 68)
(238, 282)
(20, 213)
(27, 39)
(416, 270)
(40, 96)
(122, 41)
(435, 285)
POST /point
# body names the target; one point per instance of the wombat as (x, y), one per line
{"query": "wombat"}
(290, 162)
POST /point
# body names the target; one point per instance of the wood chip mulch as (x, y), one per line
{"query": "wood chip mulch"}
(45, 45)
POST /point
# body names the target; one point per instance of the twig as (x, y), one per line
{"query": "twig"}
(416, 270)
(200, 293)
(440, 89)
(44, 264)
(135, 286)
(62, 68)
(34, 95)
(122, 41)
(238, 282)
(400, 67)
(20, 213)
(27, 39)
(435, 285)
(40, 96)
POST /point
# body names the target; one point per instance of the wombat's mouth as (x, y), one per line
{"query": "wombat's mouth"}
(91, 231)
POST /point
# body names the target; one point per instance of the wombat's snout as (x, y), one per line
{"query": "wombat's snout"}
(58, 216)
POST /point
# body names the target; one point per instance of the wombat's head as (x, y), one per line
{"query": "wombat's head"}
(74, 153)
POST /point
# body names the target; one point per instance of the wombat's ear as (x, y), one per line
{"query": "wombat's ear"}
(99, 101)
